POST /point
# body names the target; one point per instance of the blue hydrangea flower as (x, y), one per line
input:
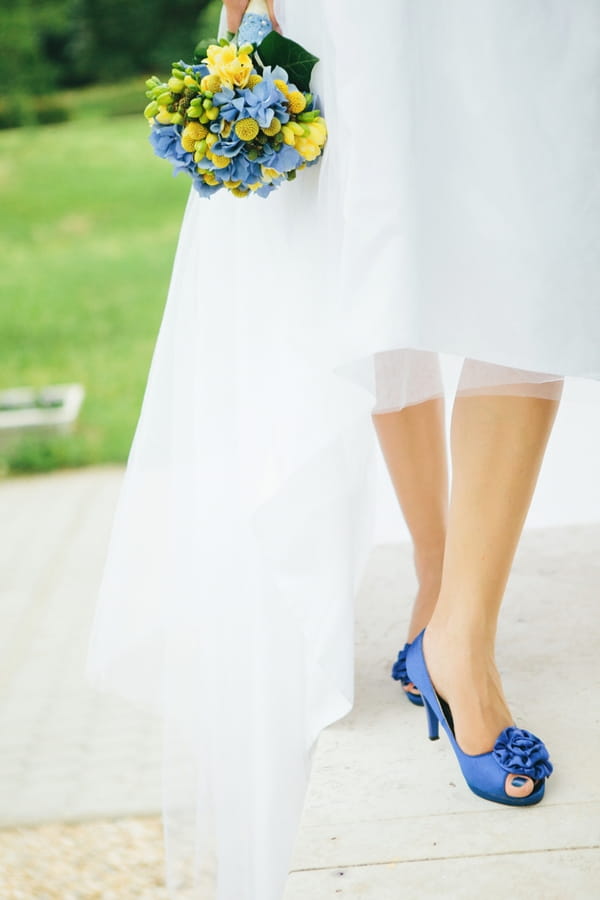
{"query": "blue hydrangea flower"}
(201, 69)
(276, 73)
(284, 160)
(166, 143)
(232, 104)
(265, 101)
(205, 190)
(262, 102)
(228, 146)
(266, 189)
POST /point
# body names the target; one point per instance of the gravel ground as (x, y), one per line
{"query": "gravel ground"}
(109, 859)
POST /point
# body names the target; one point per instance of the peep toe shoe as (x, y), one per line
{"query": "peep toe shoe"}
(517, 753)
(399, 673)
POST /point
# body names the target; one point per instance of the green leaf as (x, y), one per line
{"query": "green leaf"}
(202, 48)
(276, 50)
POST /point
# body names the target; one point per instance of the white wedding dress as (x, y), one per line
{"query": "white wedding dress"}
(456, 212)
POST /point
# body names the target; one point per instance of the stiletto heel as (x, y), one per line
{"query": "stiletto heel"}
(432, 723)
(517, 753)
(398, 673)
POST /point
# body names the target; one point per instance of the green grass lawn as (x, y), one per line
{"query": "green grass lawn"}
(90, 219)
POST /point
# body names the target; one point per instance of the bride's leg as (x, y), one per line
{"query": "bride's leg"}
(413, 443)
(498, 443)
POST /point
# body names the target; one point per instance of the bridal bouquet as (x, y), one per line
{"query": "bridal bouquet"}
(242, 117)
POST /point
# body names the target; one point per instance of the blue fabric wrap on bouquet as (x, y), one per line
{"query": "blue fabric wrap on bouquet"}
(253, 29)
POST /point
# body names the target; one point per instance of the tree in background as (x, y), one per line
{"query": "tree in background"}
(21, 64)
(47, 44)
(114, 39)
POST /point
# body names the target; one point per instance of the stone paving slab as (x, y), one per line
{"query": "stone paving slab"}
(67, 751)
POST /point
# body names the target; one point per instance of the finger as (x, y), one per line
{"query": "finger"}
(234, 19)
(274, 22)
(235, 14)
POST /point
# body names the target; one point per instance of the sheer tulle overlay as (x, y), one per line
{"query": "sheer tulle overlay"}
(456, 211)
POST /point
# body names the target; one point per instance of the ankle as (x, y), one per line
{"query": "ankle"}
(466, 637)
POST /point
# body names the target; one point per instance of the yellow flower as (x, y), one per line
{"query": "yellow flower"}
(209, 178)
(211, 83)
(226, 128)
(238, 192)
(164, 116)
(246, 129)
(288, 135)
(232, 67)
(297, 128)
(232, 184)
(195, 130)
(269, 174)
(254, 80)
(282, 85)
(255, 186)
(188, 143)
(221, 162)
(307, 148)
(274, 128)
(211, 138)
(296, 102)
(318, 130)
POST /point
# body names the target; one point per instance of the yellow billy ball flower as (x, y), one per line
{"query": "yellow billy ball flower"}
(221, 162)
(211, 83)
(195, 130)
(232, 184)
(296, 102)
(210, 179)
(238, 192)
(188, 143)
(254, 80)
(226, 128)
(255, 186)
(211, 138)
(274, 128)
(279, 83)
(246, 129)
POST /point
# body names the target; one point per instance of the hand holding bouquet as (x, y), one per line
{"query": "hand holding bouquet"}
(243, 117)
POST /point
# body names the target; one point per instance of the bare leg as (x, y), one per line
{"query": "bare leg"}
(498, 444)
(413, 443)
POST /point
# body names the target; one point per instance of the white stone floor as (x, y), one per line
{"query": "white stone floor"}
(387, 815)
(66, 751)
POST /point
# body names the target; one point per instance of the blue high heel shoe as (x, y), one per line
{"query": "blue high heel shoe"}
(399, 673)
(516, 752)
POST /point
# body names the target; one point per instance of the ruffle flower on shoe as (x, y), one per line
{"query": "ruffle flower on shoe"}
(521, 752)
(399, 672)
